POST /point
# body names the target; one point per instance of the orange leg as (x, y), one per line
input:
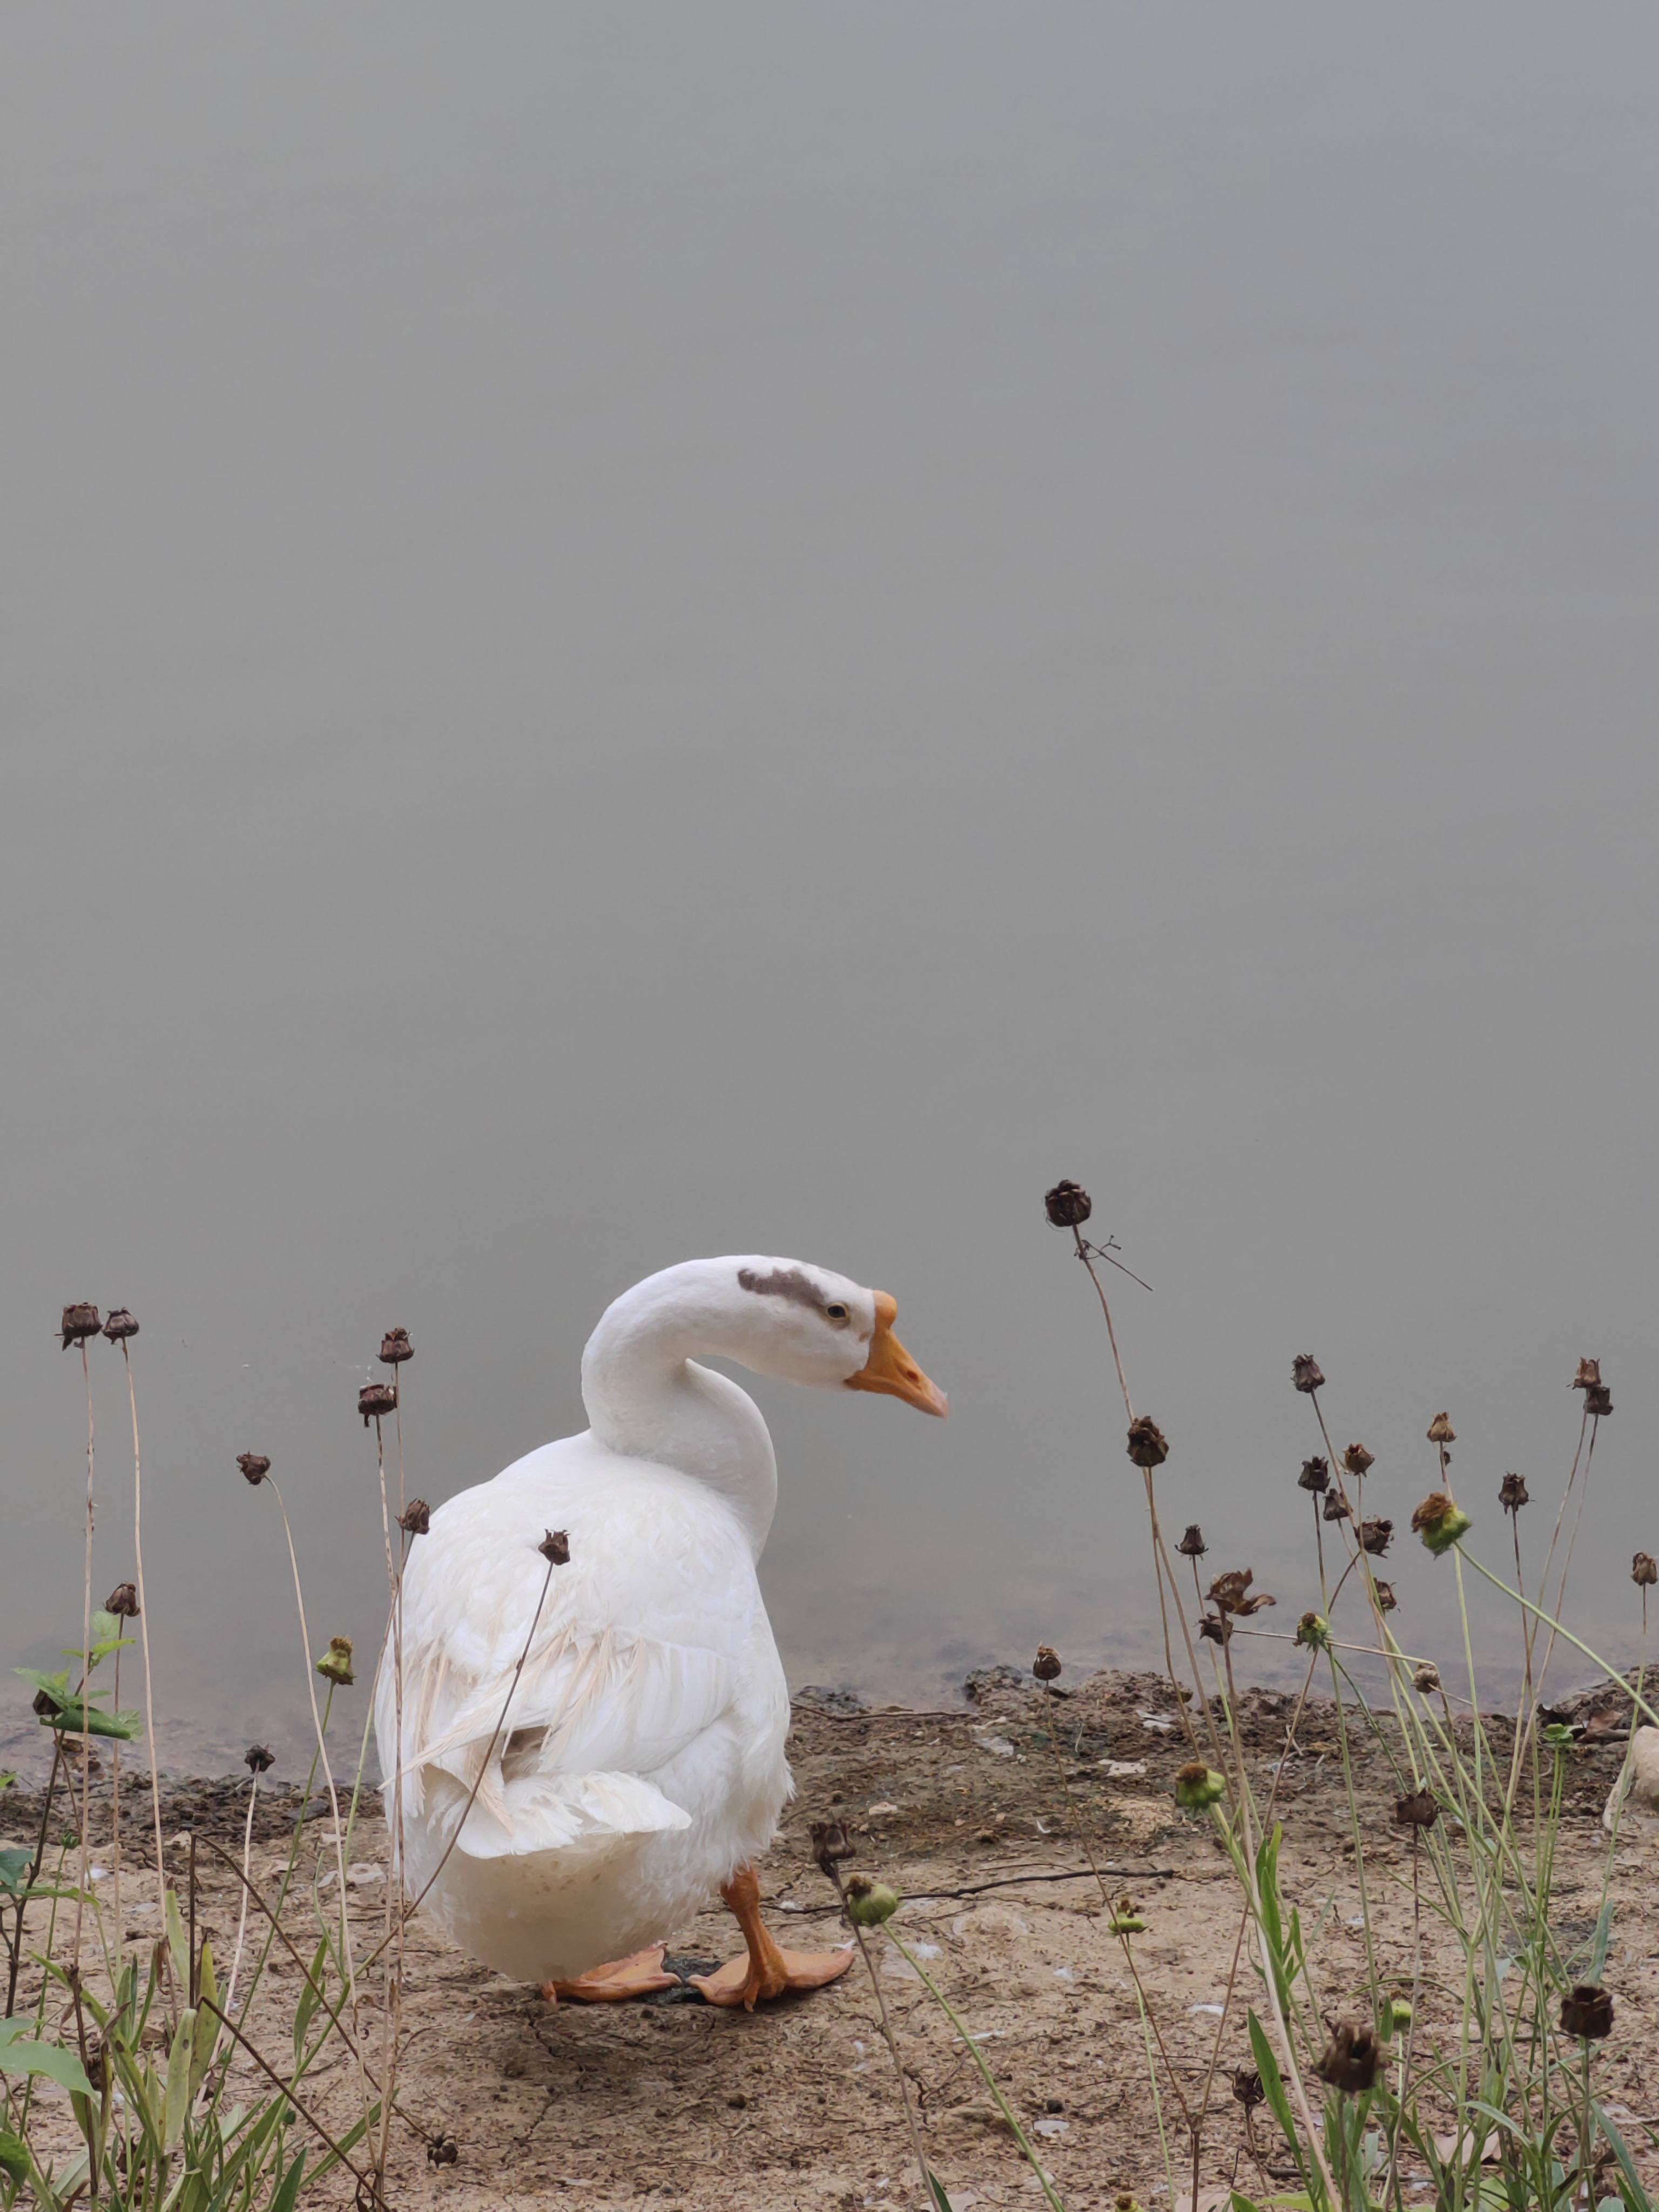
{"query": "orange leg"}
(765, 1970)
(635, 1977)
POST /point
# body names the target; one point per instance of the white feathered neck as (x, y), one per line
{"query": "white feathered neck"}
(647, 1398)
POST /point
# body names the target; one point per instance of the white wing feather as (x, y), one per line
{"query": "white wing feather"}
(566, 1751)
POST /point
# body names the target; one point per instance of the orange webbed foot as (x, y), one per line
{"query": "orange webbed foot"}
(637, 1975)
(749, 1981)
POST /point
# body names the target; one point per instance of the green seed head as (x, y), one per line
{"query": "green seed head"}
(869, 1903)
(335, 1665)
(1315, 1631)
(1440, 1521)
(1198, 1786)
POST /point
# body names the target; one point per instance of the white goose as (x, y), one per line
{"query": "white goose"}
(583, 1810)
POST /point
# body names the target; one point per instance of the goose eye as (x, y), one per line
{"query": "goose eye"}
(836, 1313)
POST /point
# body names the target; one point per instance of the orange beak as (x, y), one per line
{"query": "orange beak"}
(890, 1367)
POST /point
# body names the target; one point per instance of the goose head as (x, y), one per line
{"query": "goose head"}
(804, 1324)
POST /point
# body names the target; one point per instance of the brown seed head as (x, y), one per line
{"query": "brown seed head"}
(78, 1323)
(1192, 1545)
(1215, 1629)
(1148, 1446)
(416, 1519)
(443, 2150)
(45, 1704)
(1316, 1475)
(123, 1601)
(1231, 1593)
(120, 1324)
(1336, 1507)
(1386, 1600)
(1375, 1537)
(1247, 2087)
(1512, 1492)
(1357, 1459)
(1643, 1571)
(554, 1547)
(1069, 1206)
(1587, 2011)
(254, 1465)
(1588, 1376)
(395, 1347)
(259, 1759)
(1352, 2058)
(830, 1844)
(1305, 1373)
(1419, 1809)
(1427, 1680)
(1598, 1401)
(375, 1400)
(1441, 1430)
(1046, 1665)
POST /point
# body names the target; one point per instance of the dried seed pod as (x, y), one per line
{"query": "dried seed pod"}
(1587, 2011)
(1198, 1786)
(1192, 1545)
(1314, 1631)
(1046, 1665)
(335, 1665)
(1231, 1592)
(1588, 1376)
(1375, 1536)
(259, 1759)
(1420, 1808)
(443, 2150)
(1305, 1373)
(416, 1519)
(1598, 1401)
(1336, 1507)
(1215, 1628)
(395, 1347)
(1440, 1521)
(1247, 2087)
(45, 1705)
(123, 1601)
(1427, 1680)
(869, 1903)
(1512, 1493)
(1386, 1600)
(255, 1466)
(1316, 1475)
(375, 1400)
(1148, 1446)
(79, 1322)
(120, 1325)
(830, 1844)
(1643, 1571)
(1069, 1206)
(1356, 1460)
(1441, 1430)
(1352, 2059)
(554, 1547)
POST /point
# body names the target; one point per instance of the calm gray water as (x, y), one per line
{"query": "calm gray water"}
(635, 631)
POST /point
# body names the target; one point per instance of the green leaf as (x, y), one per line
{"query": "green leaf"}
(15, 2155)
(288, 2188)
(15, 1867)
(75, 1718)
(55, 1686)
(177, 2109)
(178, 1942)
(935, 2189)
(309, 1998)
(1272, 2087)
(1633, 2193)
(207, 2022)
(24, 2056)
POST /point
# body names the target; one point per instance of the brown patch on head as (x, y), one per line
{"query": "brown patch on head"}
(784, 1283)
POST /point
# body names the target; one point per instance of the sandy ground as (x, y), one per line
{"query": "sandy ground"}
(967, 1813)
